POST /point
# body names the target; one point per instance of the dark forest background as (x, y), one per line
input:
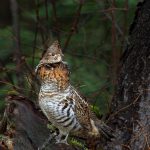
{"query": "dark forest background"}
(92, 35)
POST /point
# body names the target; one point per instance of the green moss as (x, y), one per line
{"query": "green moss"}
(77, 143)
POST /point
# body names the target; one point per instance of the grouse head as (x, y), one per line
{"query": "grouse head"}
(53, 55)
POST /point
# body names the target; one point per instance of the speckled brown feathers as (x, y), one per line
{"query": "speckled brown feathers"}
(54, 72)
(63, 105)
(82, 112)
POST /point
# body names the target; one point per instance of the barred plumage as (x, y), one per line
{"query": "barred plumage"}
(59, 101)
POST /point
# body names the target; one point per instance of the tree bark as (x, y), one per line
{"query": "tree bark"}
(130, 117)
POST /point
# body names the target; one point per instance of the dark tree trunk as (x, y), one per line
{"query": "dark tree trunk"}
(130, 118)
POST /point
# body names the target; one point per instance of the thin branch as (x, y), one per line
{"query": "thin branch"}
(74, 26)
(125, 22)
(16, 28)
(46, 18)
(126, 107)
(34, 44)
(114, 9)
(56, 23)
(16, 33)
(114, 48)
(40, 27)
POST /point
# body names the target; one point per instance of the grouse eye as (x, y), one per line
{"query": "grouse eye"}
(54, 65)
(53, 54)
(48, 66)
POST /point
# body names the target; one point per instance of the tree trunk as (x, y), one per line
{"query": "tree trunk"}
(130, 117)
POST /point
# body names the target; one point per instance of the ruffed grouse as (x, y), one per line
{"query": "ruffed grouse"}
(60, 102)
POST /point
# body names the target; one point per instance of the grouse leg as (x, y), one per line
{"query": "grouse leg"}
(60, 140)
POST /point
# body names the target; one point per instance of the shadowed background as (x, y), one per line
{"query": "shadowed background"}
(92, 35)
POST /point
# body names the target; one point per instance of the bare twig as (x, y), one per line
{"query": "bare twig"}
(56, 23)
(114, 48)
(40, 27)
(46, 16)
(114, 9)
(16, 29)
(74, 26)
(125, 22)
(33, 58)
(16, 33)
(34, 44)
(126, 107)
